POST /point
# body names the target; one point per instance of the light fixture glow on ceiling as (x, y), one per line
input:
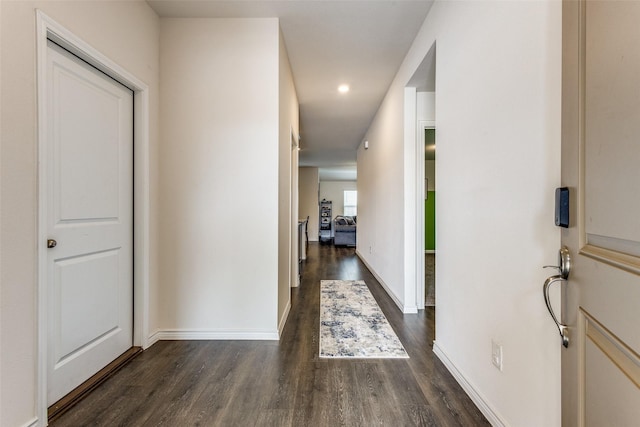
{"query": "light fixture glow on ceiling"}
(343, 88)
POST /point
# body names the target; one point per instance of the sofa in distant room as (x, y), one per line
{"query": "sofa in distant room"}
(344, 231)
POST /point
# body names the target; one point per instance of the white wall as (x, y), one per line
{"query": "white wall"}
(334, 191)
(498, 121)
(219, 158)
(380, 196)
(308, 202)
(127, 33)
(288, 185)
(426, 106)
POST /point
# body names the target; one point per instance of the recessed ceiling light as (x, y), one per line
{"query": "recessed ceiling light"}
(343, 88)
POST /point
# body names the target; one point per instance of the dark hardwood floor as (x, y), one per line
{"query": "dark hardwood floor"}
(269, 383)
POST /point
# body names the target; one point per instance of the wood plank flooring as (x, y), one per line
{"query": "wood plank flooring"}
(269, 383)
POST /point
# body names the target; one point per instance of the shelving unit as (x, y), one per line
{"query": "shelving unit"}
(325, 221)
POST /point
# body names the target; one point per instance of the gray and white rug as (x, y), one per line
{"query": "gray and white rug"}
(352, 324)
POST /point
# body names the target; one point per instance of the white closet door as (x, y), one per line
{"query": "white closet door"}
(90, 218)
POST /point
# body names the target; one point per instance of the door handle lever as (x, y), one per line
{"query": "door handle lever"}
(564, 263)
(564, 268)
(562, 329)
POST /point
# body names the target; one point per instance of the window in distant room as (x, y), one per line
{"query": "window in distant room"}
(350, 203)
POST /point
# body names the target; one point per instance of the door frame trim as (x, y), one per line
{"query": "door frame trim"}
(294, 239)
(48, 29)
(410, 226)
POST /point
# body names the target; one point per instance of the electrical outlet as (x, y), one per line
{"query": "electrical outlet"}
(496, 355)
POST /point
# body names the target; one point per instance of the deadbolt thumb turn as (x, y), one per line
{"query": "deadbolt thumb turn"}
(564, 268)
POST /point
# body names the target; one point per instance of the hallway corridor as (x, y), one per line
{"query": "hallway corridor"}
(270, 383)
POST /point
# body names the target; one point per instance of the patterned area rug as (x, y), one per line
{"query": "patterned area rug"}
(352, 324)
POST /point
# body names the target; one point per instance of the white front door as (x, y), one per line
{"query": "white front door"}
(601, 167)
(89, 171)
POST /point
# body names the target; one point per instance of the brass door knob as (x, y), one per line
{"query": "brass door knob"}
(51, 243)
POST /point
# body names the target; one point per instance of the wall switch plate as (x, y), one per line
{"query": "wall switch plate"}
(496, 355)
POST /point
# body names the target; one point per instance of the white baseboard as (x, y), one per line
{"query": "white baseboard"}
(32, 423)
(405, 309)
(153, 338)
(429, 251)
(475, 396)
(211, 334)
(283, 319)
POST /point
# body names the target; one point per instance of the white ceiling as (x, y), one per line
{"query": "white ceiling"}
(356, 42)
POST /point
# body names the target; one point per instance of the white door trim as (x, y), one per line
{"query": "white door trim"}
(49, 29)
(410, 268)
(294, 280)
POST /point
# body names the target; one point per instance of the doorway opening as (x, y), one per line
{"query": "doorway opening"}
(421, 111)
(429, 135)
